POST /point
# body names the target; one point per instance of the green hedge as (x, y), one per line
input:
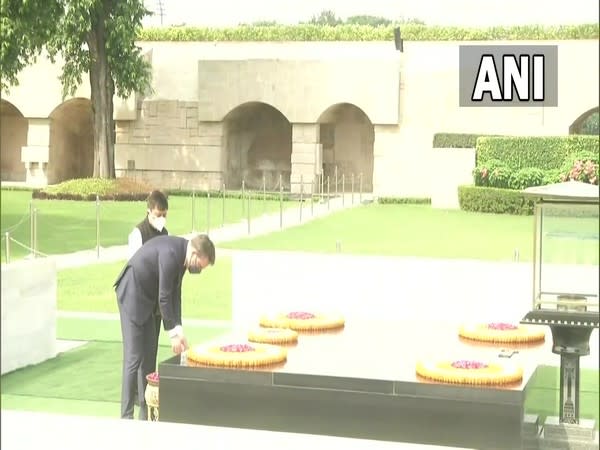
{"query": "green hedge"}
(493, 200)
(455, 140)
(410, 32)
(404, 201)
(541, 152)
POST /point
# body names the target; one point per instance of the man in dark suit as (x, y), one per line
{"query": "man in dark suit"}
(152, 277)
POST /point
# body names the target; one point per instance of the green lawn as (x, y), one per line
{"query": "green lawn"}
(542, 396)
(422, 231)
(89, 289)
(65, 226)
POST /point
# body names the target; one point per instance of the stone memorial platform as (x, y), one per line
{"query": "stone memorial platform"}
(359, 383)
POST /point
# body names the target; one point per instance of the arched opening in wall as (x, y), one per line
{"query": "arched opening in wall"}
(13, 136)
(71, 141)
(257, 143)
(587, 123)
(347, 136)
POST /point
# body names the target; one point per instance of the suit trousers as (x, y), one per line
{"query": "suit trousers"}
(141, 375)
(139, 357)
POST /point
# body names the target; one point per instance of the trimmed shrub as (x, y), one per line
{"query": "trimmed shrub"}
(119, 189)
(552, 176)
(527, 177)
(499, 177)
(483, 174)
(493, 200)
(546, 153)
(403, 201)
(410, 32)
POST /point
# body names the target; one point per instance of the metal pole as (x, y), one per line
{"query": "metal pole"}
(312, 198)
(264, 194)
(7, 246)
(223, 209)
(243, 196)
(193, 210)
(352, 188)
(343, 188)
(336, 181)
(280, 201)
(35, 232)
(301, 195)
(321, 182)
(328, 196)
(248, 213)
(360, 180)
(208, 213)
(97, 227)
(31, 224)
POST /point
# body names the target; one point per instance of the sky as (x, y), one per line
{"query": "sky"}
(435, 12)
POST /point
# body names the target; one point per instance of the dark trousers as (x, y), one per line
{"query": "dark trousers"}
(140, 344)
(141, 374)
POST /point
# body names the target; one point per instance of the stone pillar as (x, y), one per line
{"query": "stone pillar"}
(211, 146)
(36, 154)
(307, 157)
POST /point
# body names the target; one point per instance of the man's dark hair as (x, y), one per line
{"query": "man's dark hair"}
(203, 245)
(157, 200)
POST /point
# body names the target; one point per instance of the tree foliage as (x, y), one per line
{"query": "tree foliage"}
(326, 17)
(93, 37)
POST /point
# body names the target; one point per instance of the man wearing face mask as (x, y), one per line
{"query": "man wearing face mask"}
(153, 224)
(151, 278)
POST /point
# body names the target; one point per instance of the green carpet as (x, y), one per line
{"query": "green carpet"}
(86, 380)
(110, 331)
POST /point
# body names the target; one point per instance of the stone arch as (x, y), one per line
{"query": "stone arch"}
(582, 124)
(71, 149)
(347, 136)
(257, 143)
(13, 136)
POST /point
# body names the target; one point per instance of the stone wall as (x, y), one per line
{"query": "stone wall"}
(13, 136)
(169, 147)
(28, 313)
(174, 138)
(450, 168)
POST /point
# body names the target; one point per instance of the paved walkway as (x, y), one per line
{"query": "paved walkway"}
(268, 223)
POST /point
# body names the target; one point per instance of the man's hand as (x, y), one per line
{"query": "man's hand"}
(179, 344)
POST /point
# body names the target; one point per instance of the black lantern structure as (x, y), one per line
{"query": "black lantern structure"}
(565, 278)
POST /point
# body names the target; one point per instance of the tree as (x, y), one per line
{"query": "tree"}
(93, 36)
(326, 17)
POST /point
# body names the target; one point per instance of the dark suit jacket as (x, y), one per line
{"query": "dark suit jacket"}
(153, 276)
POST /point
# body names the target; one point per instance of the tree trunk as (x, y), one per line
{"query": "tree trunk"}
(102, 90)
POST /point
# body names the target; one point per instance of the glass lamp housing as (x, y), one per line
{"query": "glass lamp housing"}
(566, 247)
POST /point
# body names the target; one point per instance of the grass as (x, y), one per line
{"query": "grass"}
(65, 226)
(89, 289)
(422, 231)
(542, 397)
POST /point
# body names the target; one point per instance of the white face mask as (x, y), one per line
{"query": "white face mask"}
(158, 223)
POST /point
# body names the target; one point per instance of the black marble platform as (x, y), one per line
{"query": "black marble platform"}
(360, 383)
